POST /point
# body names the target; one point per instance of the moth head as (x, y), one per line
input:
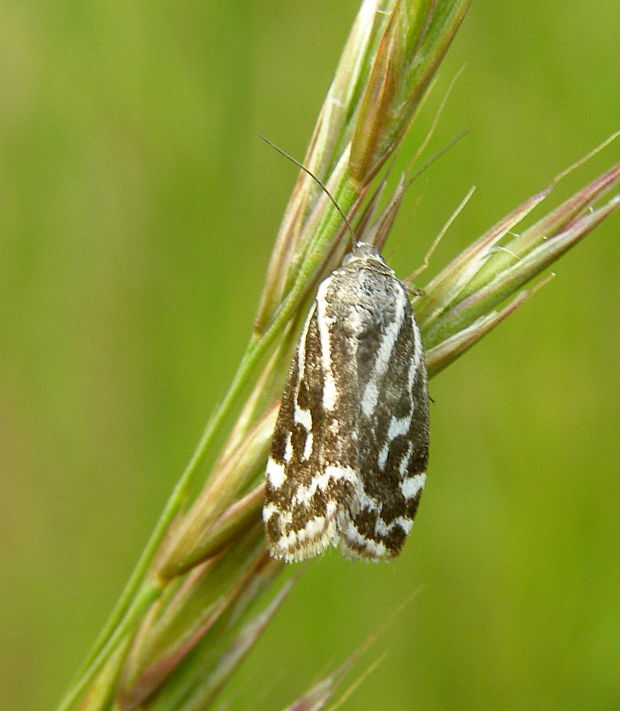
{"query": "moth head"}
(363, 252)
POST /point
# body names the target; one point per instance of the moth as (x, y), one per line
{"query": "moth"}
(350, 446)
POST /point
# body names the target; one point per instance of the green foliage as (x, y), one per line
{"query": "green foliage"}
(139, 210)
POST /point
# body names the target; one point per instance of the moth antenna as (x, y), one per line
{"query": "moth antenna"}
(318, 181)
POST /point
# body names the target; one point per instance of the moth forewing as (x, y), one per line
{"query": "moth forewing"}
(350, 446)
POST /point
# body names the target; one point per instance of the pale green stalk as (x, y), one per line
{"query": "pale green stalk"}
(187, 616)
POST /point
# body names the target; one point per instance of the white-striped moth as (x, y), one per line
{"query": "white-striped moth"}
(350, 446)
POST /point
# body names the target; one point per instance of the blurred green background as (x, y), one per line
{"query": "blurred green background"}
(138, 208)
